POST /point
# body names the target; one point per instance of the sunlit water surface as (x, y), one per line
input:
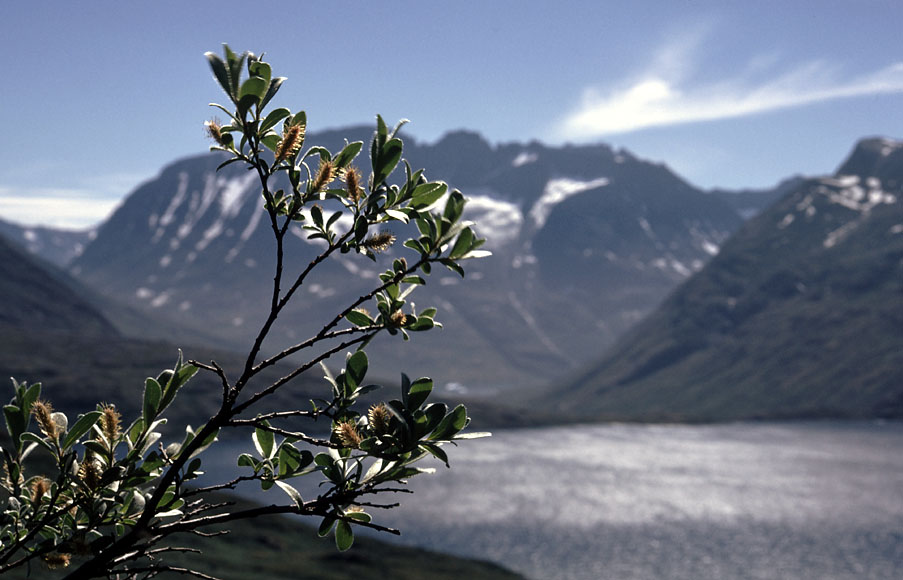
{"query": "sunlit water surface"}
(801, 501)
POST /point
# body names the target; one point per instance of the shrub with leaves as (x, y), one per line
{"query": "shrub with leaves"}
(108, 497)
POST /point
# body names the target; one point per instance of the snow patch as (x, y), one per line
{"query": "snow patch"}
(888, 146)
(788, 219)
(852, 195)
(165, 261)
(170, 213)
(680, 268)
(160, 300)
(497, 220)
(231, 193)
(837, 236)
(644, 225)
(209, 235)
(896, 229)
(710, 248)
(143, 293)
(558, 190)
(523, 158)
(30, 235)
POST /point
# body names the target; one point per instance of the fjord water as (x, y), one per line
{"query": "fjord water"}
(778, 500)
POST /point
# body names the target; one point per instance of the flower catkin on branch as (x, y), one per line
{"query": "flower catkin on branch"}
(90, 473)
(43, 412)
(325, 175)
(379, 417)
(347, 434)
(56, 560)
(380, 242)
(110, 422)
(215, 132)
(292, 138)
(353, 184)
(39, 489)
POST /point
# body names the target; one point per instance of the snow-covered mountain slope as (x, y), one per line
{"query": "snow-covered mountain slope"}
(585, 241)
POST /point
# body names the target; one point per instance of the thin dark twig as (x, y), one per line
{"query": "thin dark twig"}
(259, 424)
(303, 368)
(220, 486)
(275, 415)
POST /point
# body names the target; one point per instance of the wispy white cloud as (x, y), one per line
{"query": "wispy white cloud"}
(666, 94)
(54, 207)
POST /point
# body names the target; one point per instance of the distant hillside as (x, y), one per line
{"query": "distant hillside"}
(799, 315)
(56, 246)
(38, 297)
(585, 240)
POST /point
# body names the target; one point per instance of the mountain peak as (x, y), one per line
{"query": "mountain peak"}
(879, 157)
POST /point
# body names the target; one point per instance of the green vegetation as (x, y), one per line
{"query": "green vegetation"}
(110, 499)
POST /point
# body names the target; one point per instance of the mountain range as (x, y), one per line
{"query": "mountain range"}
(586, 240)
(799, 315)
(616, 290)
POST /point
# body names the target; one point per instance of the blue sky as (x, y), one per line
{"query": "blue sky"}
(98, 96)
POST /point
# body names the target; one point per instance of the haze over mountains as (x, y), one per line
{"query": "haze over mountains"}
(586, 242)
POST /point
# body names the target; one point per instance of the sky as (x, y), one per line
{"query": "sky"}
(98, 96)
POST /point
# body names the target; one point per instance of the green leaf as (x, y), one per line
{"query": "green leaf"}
(264, 441)
(272, 90)
(32, 438)
(436, 452)
(389, 156)
(356, 369)
(326, 526)
(81, 426)
(344, 535)
(462, 244)
(220, 72)
(15, 422)
(422, 323)
(152, 395)
(397, 215)
(234, 63)
(254, 87)
(271, 142)
(274, 117)
(245, 460)
(31, 395)
(261, 69)
(427, 194)
(453, 266)
(359, 517)
(347, 154)
(358, 318)
(418, 393)
(450, 425)
(382, 131)
(96, 446)
(289, 459)
(317, 214)
(291, 492)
